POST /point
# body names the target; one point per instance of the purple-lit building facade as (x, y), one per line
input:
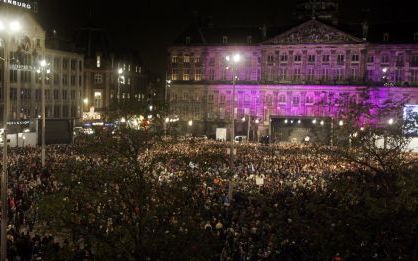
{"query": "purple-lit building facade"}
(296, 73)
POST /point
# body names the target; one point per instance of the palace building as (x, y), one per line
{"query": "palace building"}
(286, 73)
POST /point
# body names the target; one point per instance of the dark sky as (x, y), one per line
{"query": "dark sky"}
(151, 25)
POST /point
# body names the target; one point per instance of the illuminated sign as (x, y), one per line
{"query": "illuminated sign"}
(18, 4)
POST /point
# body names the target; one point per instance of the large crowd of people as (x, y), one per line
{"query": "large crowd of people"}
(242, 206)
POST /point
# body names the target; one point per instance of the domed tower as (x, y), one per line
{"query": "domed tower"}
(325, 10)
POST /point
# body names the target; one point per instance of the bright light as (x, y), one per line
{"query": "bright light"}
(291, 121)
(237, 58)
(243, 119)
(299, 121)
(355, 134)
(86, 101)
(26, 130)
(286, 121)
(97, 94)
(48, 71)
(1, 26)
(169, 81)
(322, 123)
(24, 137)
(15, 26)
(149, 116)
(257, 121)
(190, 123)
(167, 120)
(38, 71)
(42, 63)
(150, 107)
(362, 128)
(341, 123)
(120, 71)
(307, 138)
(390, 121)
(385, 70)
(227, 58)
(123, 120)
(314, 121)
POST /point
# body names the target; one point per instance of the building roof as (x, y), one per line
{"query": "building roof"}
(196, 34)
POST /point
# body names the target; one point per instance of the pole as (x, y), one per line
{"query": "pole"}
(233, 122)
(43, 116)
(248, 128)
(231, 185)
(5, 163)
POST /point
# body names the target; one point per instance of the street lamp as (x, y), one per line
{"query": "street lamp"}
(391, 121)
(7, 28)
(236, 58)
(42, 70)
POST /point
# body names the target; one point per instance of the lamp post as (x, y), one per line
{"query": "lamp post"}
(42, 70)
(6, 30)
(120, 77)
(234, 60)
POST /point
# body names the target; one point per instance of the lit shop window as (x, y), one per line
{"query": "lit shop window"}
(98, 61)
(98, 99)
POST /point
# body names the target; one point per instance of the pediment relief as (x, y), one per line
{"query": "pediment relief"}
(314, 32)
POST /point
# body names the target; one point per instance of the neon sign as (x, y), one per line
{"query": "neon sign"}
(18, 4)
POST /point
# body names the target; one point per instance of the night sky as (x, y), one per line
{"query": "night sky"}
(150, 26)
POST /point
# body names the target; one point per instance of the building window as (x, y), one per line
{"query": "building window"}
(282, 98)
(174, 75)
(72, 80)
(340, 74)
(174, 59)
(311, 74)
(98, 78)
(295, 100)
(13, 76)
(296, 74)
(385, 37)
(398, 75)
(224, 39)
(283, 58)
(98, 99)
(211, 74)
(414, 77)
(64, 64)
(385, 58)
(355, 58)
(73, 65)
(399, 60)
(414, 61)
(270, 59)
(325, 58)
(72, 95)
(370, 75)
(283, 73)
(198, 75)
(311, 58)
(186, 59)
(56, 94)
(65, 79)
(354, 74)
(186, 75)
(98, 61)
(298, 58)
(370, 59)
(309, 99)
(64, 94)
(340, 59)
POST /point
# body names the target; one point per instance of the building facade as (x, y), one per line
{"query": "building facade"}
(110, 76)
(296, 73)
(63, 85)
